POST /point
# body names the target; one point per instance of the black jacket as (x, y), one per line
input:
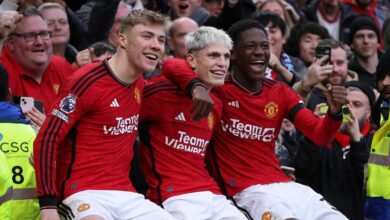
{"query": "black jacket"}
(336, 173)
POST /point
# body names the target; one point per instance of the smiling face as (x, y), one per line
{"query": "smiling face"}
(365, 43)
(211, 64)
(35, 54)
(57, 22)
(307, 47)
(144, 46)
(251, 54)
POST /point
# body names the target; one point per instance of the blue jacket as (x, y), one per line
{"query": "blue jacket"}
(12, 113)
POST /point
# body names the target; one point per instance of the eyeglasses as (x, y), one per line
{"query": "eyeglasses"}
(31, 37)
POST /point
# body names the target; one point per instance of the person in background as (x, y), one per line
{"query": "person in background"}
(378, 193)
(334, 15)
(33, 70)
(337, 171)
(176, 33)
(312, 86)
(364, 40)
(16, 143)
(302, 43)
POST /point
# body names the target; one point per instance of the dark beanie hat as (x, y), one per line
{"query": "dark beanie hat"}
(365, 88)
(362, 22)
(383, 67)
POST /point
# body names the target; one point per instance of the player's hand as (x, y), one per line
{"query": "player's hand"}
(202, 103)
(316, 73)
(37, 118)
(337, 97)
(49, 214)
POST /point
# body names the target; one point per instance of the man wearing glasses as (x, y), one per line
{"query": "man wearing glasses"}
(27, 57)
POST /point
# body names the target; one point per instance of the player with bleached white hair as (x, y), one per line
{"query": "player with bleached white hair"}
(173, 146)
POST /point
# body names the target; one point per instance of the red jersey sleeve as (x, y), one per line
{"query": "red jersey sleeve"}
(319, 131)
(180, 72)
(71, 103)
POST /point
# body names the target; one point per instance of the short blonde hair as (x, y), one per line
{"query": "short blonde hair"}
(142, 16)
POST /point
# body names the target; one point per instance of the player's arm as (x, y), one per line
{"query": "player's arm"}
(65, 112)
(179, 72)
(320, 131)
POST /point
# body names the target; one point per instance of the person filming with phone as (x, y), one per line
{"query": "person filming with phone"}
(337, 171)
(327, 70)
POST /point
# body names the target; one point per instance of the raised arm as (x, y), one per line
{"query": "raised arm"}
(180, 72)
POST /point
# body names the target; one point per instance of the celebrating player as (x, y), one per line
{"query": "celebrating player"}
(242, 153)
(173, 146)
(84, 148)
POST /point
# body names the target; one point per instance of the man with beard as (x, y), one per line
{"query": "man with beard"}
(337, 170)
(242, 157)
(337, 77)
(378, 191)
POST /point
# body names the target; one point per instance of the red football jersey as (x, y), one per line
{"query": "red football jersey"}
(244, 140)
(99, 116)
(23, 84)
(172, 145)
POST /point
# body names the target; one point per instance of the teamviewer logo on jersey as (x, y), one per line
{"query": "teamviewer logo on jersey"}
(234, 104)
(114, 103)
(180, 117)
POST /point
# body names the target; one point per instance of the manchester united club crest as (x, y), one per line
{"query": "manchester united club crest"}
(271, 109)
(56, 87)
(83, 207)
(137, 95)
(266, 216)
(211, 121)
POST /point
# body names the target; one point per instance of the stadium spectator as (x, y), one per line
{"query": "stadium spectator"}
(337, 171)
(378, 193)
(176, 33)
(334, 15)
(364, 40)
(27, 57)
(16, 143)
(335, 72)
(57, 22)
(302, 43)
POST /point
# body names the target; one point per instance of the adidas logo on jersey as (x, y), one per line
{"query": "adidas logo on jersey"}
(114, 103)
(234, 104)
(180, 117)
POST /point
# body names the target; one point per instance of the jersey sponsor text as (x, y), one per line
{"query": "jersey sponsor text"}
(123, 126)
(248, 131)
(187, 143)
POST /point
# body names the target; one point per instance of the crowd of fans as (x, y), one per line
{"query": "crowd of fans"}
(242, 112)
